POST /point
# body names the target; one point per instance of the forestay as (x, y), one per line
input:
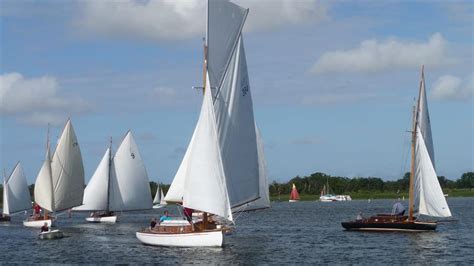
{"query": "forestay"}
(16, 196)
(129, 184)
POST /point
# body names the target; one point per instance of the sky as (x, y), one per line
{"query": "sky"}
(333, 82)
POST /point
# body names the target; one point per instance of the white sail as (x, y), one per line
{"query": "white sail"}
(162, 197)
(424, 121)
(95, 193)
(224, 25)
(43, 186)
(204, 184)
(176, 190)
(67, 171)
(236, 129)
(431, 198)
(16, 196)
(157, 198)
(129, 184)
(264, 200)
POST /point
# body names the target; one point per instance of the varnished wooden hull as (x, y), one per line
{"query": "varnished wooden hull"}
(390, 226)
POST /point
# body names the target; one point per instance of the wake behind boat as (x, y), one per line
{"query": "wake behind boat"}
(425, 190)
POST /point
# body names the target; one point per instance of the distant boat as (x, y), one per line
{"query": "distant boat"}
(16, 196)
(159, 199)
(60, 182)
(425, 190)
(294, 195)
(120, 183)
(326, 196)
(220, 169)
(343, 198)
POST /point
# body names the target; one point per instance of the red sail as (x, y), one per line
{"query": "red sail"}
(294, 193)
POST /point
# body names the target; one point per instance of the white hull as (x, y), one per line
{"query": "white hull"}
(292, 200)
(159, 206)
(37, 223)
(195, 239)
(104, 219)
(53, 234)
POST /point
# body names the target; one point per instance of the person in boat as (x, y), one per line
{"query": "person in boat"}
(188, 213)
(36, 210)
(398, 209)
(153, 223)
(165, 217)
(44, 228)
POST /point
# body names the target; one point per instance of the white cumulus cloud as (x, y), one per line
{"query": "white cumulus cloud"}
(449, 87)
(175, 20)
(35, 100)
(373, 55)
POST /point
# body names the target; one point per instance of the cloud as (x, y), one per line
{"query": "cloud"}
(373, 56)
(449, 87)
(175, 20)
(35, 101)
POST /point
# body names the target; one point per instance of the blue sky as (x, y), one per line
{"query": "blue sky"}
(333, 83)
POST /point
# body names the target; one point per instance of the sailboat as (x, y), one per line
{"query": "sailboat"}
(159, 199)
(16, 196)
(120, 183)
(326, 196)
(294, 195)
(220, 169)
(425, 193)
(60, 182)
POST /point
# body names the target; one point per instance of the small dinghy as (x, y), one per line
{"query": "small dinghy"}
(52, 234)
(159, 200)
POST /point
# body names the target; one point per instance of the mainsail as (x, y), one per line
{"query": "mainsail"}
(428, 193)
(228, 74)
(60, 182)
(16, 196)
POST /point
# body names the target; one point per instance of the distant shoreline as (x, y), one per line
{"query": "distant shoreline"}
(374, 195)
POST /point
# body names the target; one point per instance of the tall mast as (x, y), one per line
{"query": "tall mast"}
(413, 144)
(48, 151)
(204, 65)
(108, 180)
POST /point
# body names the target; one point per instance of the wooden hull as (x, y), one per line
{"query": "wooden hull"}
(38, 223)
(53, 234)
(5, 218)
(389, 223)
(102, 219)
(214, 238)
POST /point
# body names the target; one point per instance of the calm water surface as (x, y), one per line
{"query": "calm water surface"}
(303, 232)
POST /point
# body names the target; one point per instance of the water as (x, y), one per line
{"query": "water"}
(303, 232)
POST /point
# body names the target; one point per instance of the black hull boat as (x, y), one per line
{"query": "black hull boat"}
(4, 218)
(383, 222)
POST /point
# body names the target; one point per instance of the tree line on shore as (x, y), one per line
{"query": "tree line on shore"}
(314, 183)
